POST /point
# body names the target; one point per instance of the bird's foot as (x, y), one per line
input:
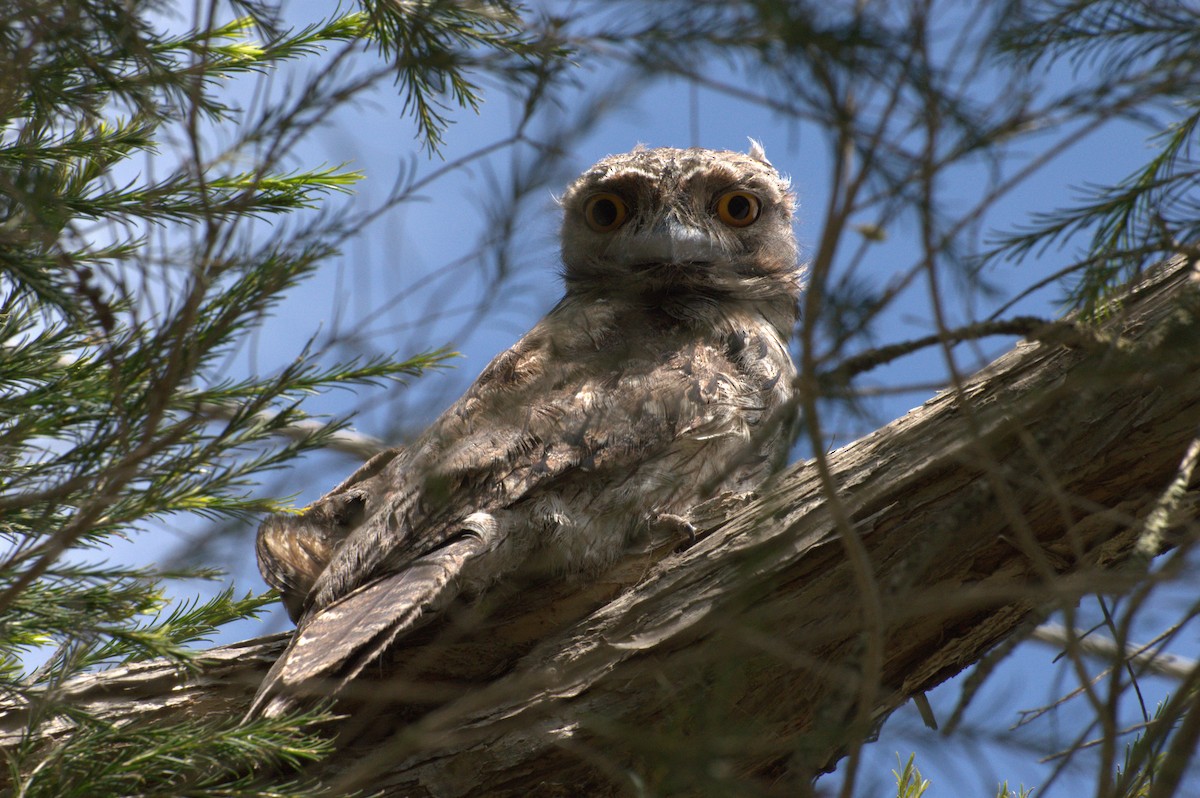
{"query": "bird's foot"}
(676, 526)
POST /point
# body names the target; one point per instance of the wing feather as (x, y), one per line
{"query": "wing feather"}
(332, 647)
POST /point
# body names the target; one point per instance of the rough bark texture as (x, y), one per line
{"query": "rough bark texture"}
(752, 655)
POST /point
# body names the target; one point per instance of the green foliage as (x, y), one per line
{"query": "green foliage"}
(1145, 52)
(200, 758)
(123, 292)
(1146, 755)
(436, 45)
(909, 783)
(1004, 792)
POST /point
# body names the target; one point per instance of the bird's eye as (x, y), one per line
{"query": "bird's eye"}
(605, 212)
(738, 208)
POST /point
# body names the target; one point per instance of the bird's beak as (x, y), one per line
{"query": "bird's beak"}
(670, 241)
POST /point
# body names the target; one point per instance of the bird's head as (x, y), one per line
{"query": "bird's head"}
(681, 225)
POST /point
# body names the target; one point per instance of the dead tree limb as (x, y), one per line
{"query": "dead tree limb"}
(740, 655)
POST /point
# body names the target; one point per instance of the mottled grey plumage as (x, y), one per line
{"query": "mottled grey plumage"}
(658, 380)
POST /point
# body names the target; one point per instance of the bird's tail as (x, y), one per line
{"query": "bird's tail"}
(332, 646)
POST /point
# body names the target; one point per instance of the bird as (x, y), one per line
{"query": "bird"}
(662, 378)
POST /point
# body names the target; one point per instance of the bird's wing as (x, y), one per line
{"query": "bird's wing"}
(293, 550)
(333, 646)
(501, 443)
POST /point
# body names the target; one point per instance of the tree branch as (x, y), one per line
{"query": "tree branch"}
(740, 656)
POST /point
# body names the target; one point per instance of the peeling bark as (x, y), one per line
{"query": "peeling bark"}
(741, 656)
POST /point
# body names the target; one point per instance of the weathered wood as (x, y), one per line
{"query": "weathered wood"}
(742, 655)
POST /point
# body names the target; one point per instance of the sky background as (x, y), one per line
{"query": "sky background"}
(416, 276)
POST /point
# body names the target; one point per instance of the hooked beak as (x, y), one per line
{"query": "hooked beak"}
(669, 242)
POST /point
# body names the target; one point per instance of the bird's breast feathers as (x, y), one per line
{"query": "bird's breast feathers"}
(584, 427)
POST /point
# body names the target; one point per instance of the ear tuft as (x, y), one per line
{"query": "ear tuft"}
(757, 152)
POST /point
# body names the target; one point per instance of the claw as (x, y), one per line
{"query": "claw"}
(676, 525)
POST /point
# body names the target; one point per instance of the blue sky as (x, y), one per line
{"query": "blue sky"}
(414, 274)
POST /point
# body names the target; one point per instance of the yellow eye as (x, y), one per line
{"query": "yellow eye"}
(738, 208)
(605, 212)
